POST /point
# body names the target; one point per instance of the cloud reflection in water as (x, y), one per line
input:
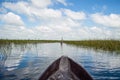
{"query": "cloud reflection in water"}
(28, 61)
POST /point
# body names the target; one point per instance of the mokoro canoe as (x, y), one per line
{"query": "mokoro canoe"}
(65, 68)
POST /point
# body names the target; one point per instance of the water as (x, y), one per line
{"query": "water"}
(28, 61)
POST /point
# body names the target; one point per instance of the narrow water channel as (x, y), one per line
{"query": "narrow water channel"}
(28, 61)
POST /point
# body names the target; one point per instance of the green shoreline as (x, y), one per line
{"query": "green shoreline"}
(107, 45)
(4, 41)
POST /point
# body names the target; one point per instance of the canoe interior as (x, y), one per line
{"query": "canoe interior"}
(65, 68)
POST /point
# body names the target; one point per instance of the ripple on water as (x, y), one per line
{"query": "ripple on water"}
(27, 62)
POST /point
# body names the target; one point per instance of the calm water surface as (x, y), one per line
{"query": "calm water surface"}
(28, 61)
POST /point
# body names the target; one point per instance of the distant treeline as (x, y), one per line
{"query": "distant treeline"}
(108, 45)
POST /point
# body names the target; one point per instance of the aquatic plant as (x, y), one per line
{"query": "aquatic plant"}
(6, 41)
(109, 45)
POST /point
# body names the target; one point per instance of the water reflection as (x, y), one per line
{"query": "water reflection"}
(28, 61)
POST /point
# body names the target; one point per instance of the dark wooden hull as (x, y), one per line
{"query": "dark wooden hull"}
(65, 68)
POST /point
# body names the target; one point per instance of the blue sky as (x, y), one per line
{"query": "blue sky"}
(53, 19)
(112, 6)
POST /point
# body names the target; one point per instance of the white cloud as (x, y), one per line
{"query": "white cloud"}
(19, 7)
(63, 2)
(11, 18)
(44, 29)
(75, 15)
(46, 13)
(53, 22)
(32, 12)
(96, 32)
(57, 31)
(41, 3)
(16, 32)
(22, 5)
(112, 20)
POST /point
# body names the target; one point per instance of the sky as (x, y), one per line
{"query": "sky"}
(53, 19)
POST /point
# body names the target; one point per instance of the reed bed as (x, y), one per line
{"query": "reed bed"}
(3, 41)
(108, 45)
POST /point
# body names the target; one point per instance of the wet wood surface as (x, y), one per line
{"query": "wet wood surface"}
(65, 68)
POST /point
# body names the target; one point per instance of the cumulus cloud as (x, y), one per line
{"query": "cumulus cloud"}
(53, 22)
(41, 3)
(43, 29)
(63, 2)
(45, 32)
(97, 32)
(75, 15)
(112, 20)
(32, 12)
(16, 32)
(11, 18)
(46, 13)
(19, 7)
